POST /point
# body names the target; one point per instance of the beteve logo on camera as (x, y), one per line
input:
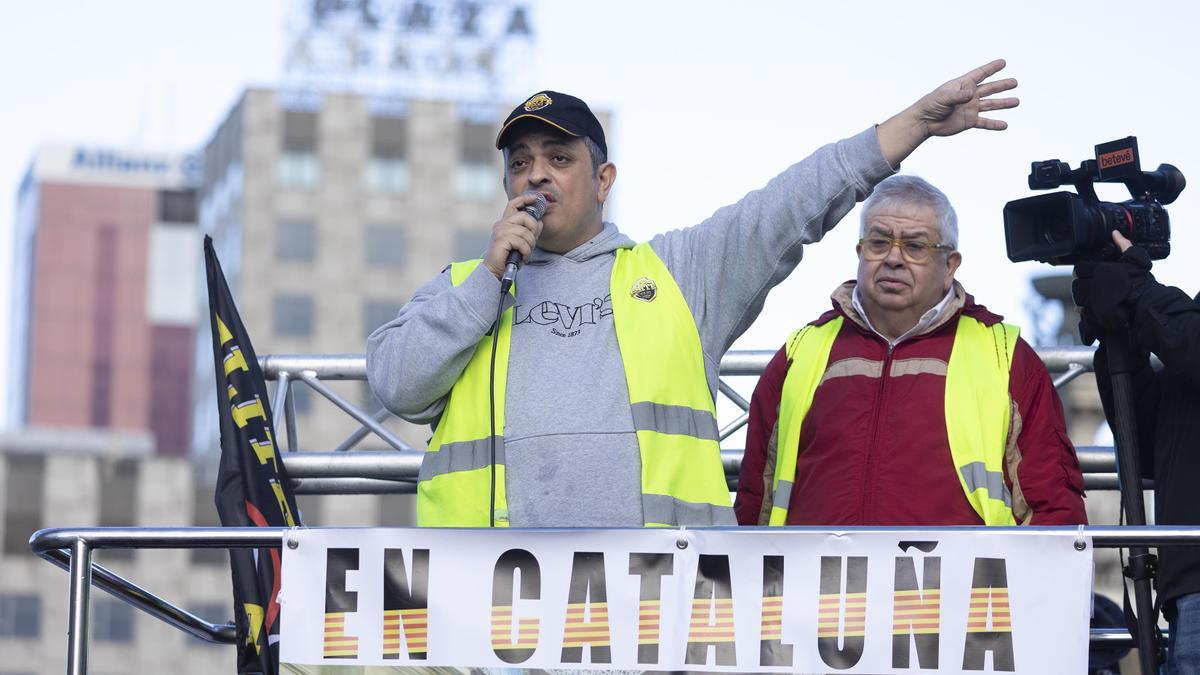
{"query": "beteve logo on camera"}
(1111, 160)
(1118, 159)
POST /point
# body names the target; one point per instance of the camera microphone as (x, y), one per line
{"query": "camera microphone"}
(537, 209)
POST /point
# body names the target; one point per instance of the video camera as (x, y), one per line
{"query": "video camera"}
(1063, 228)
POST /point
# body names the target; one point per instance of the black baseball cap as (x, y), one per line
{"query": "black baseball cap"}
(561, 111)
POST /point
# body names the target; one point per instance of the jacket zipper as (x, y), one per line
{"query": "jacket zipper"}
(880, 397)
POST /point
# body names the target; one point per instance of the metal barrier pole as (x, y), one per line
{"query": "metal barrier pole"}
(362, 431)
(53, 545)
(280, 402)
(310, 378)
(1073, 371)
(289, 417)
(725, 388)
(77, 624)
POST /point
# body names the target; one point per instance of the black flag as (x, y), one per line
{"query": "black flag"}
(252, 483)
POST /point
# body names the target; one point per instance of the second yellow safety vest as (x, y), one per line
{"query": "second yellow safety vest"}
(977, 411)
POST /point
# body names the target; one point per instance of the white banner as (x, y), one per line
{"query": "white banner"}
(766, 600)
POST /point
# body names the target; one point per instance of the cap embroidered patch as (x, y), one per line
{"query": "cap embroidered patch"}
(644, 289)
(538, 102)
(563, 112)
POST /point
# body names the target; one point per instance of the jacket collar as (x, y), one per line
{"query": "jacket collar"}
(962, 303)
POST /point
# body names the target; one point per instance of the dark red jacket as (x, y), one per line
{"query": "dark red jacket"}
(874, 450)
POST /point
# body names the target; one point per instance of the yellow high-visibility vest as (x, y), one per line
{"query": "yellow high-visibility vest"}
(683, 479)
(977, 411)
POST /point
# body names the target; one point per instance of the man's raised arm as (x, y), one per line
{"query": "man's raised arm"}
(770, 226)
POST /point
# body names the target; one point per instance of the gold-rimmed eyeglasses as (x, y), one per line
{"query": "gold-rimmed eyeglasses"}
(913, 250)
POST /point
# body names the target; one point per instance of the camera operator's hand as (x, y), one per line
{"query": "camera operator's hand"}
(1106, 291)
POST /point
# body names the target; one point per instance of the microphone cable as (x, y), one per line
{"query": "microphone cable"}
(537, 209)
(492, 410)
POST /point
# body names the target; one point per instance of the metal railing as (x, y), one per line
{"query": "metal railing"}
(374, 472)
(72, 548)
(387, 472)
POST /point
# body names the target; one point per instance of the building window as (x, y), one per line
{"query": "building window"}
(299, 170)
(104, 325)
(378, 312)
(387, 169)
(118, 500)
(20, 616)
(293, 315)
(177, 206)
(387, 176)
(295, 240)
(389, 137)
(299, 164)
(23, 501)
(112, 620)
(476, 182)
(469, 245)
(384, 246)
(476, 176)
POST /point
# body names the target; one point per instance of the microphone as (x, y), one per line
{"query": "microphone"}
(537, 209)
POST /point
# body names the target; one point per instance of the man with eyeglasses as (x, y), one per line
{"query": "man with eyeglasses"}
(907, 403)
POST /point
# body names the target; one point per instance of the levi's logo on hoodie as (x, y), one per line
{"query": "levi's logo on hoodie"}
(564, 320)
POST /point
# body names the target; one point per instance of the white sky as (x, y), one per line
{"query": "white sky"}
(710, 100)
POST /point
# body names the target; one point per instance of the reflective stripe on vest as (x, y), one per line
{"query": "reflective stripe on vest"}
(976, 411)
(683, 479)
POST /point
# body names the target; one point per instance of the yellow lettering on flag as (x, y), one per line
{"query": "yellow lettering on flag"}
(222, 330)
(235, 361)
(254, 617)
(283, 505)
(265, 451)
(244, 412)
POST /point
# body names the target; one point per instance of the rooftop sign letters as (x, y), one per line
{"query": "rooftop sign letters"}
(407, 48)
(110, 166)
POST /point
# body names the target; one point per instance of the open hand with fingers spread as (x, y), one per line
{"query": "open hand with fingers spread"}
(951, 108)
(956, 105)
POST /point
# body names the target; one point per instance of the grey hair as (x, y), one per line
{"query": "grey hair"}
(598, 156)
(915, 191)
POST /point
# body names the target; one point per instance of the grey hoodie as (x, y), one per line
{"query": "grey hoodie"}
(570, 450)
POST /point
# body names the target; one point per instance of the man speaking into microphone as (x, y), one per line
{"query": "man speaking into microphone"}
(591, 403)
